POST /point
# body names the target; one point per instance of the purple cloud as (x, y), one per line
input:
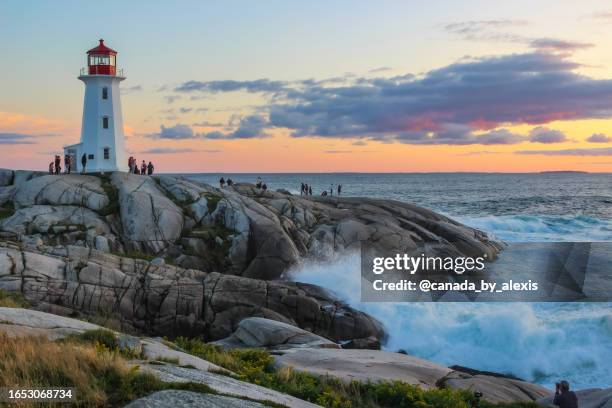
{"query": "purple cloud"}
(462, 103)
(545, 135)
(177, 132)
(599, 138)
(602, 151)
(16, 139)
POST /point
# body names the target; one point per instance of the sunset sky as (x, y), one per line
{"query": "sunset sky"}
(319, 86)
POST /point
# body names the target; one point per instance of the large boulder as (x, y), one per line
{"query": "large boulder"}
(230, 299)
(150, 220)
(255, 332)
(232, 232)
(24, 322)
(67, 189)
(6, 177)
(494, 388)
(21, 176)
(60, 225)
(363, 365)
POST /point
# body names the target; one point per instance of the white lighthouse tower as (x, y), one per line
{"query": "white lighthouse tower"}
(102, 140)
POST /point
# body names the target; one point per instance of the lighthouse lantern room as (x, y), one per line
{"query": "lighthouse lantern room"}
(102, 145)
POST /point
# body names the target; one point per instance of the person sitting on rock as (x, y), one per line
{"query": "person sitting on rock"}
(230, 182)
(150, 168)
(564, 398)
(324, 193)
(51, 168)
(221, 182)
(258, 185)
(264, 187)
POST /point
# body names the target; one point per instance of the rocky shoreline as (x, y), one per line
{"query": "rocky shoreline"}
(166, 256)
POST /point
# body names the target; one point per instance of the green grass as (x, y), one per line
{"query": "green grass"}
(106, 341)
(257, 366)
(113, 196)
(13, 299)
(215, 254)
(7, 210)
(212, 200)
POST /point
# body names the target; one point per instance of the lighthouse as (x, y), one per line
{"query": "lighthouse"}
(102, 139)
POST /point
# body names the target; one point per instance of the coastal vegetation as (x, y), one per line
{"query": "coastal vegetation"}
(257, 366)
(99, 375)
(12, 299)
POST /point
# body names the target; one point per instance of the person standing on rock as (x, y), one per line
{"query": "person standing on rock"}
(83, 162)
(131, 164)
(150, 168)
(221, 182)
(67, 163)
(339, 189)
(143, 168)
(309, 190)
(564, 398)
(58, 164)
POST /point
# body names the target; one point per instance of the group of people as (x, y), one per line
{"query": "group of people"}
(143, 169)
(305, 189)
(261, 185)
(223, 182)
(229, 182)
(55, 167)
(331, 190)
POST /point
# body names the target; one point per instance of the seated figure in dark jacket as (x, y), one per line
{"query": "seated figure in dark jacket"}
(564, 398)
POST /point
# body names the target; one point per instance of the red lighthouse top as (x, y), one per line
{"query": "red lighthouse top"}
(102, 60)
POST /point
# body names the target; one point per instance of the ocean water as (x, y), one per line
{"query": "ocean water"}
(540, 342)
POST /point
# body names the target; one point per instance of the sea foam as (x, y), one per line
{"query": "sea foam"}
(535, 341)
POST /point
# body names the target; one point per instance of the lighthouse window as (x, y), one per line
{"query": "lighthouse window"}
(105, 122)
(105, 93)
(99, 60)
(106, 153)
